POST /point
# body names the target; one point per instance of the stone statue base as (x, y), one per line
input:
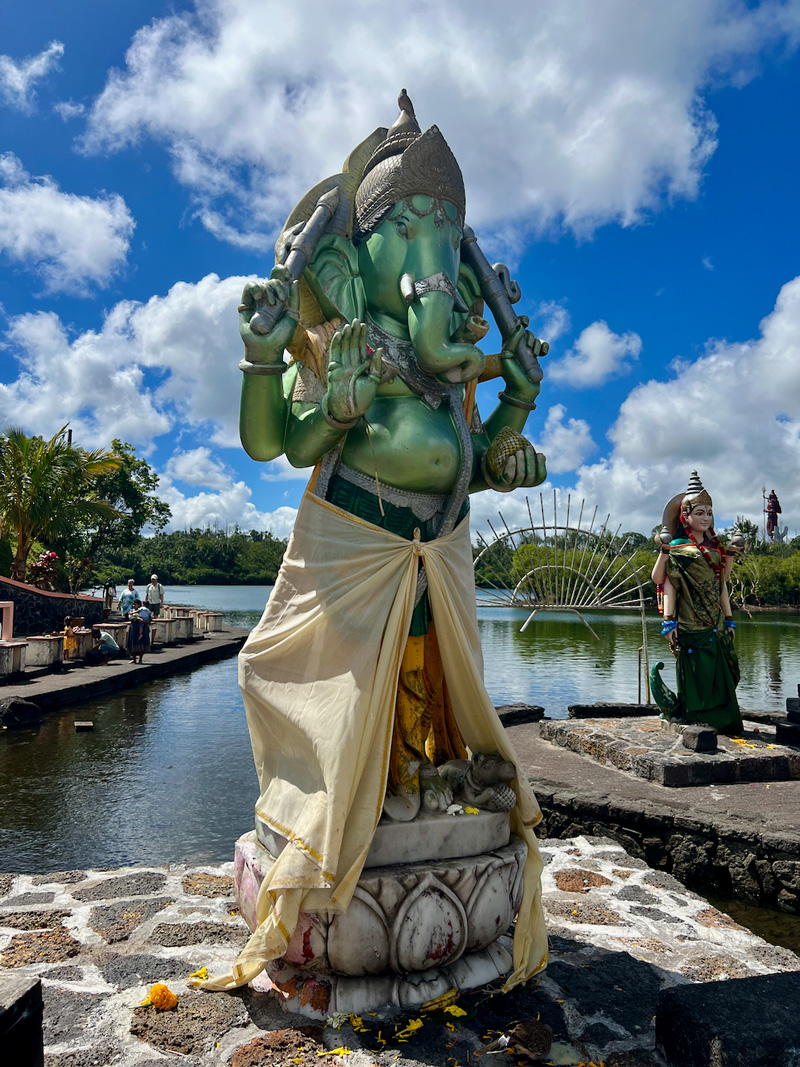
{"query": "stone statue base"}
(412, 931)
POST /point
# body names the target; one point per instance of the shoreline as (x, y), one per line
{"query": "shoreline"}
(76, 684)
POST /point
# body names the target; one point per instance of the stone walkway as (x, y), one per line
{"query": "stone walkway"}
(619, 932)
(77, 683)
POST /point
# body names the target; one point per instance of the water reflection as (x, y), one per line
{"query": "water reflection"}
(167, 774)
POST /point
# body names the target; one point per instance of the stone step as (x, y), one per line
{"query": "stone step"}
(21, 1021)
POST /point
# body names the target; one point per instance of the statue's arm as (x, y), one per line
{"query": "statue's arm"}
(725, 600)
(263, 413)
(264, 405)
(309, 435)
(526, 467)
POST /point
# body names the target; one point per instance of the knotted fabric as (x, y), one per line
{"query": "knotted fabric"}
(319, 677)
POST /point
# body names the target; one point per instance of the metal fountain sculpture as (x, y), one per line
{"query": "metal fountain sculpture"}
(365, 882)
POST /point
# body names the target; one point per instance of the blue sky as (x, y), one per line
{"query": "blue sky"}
(635, 164)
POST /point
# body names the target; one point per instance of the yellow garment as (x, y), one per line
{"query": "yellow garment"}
(319, 677)
(425, 725)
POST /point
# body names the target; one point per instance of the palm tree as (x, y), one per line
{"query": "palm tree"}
(44, 486)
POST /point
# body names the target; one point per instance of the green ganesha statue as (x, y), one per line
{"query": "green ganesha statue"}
(365, 673)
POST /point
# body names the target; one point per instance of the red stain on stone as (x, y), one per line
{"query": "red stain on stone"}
(308, 951)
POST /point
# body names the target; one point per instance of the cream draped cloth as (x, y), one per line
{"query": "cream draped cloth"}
(319, 677)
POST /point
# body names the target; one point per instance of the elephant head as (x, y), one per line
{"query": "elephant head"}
(400, 262)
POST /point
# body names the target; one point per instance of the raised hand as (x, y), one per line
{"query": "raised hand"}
(522, 385)
(353, 374)
(278, 291)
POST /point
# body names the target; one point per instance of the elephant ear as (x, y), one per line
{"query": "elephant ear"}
(332, 276)
(469, 288)
(470, 292)
(333, 279)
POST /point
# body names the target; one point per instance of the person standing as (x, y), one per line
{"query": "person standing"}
(139, 632)
(109, 595)
(129, 595)
(154, 596)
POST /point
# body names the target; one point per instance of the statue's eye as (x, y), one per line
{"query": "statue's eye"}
(402, 227)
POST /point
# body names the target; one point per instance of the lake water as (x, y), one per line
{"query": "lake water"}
(167, 774)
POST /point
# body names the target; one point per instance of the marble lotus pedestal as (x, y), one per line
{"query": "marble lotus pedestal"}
(414, 930)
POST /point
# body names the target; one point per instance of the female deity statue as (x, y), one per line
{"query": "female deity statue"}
(693, 568)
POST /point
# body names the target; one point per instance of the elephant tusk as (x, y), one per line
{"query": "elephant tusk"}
(408, 288)
(436, 283)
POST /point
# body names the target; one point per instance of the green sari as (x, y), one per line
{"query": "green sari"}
(707, 668)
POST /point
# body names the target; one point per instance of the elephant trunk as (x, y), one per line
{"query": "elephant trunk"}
(429, 318)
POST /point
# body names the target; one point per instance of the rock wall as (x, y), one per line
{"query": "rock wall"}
(720, 857)
(39, 612)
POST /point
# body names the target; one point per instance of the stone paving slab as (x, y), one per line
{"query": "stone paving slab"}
(650, 748)
(620, 934)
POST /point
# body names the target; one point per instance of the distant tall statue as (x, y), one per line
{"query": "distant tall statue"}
(772, 510)
(364, 676)
(692, 568)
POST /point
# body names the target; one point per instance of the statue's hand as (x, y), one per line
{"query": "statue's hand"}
(512, 462)
(353, 374)
(278, 291)
(519, 384)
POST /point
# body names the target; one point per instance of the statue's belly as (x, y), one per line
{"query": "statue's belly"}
(411, 446)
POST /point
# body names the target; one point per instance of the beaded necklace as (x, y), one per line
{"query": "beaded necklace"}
(716, 544)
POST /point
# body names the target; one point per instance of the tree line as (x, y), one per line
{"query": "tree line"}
(72, 519)
(768, 575)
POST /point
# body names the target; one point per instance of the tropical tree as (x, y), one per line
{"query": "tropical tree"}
(130, 490)
(45, 487)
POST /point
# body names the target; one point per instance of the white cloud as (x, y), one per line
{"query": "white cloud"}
(197, 466)
(230, 506)
(72, 242)
(68, 109)
(595, 113)
(706, 261)
(281, 470)
(18, 78)
(566, 444)
(551, 320)
(598, 355)
(733, 415)
(151, 367)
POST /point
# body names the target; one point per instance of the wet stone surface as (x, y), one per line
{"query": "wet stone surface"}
(32, 920)
(28, 899)
(65, 1015)
(116, 922)
(83, 1058)
(299, 1045)
(59, 878)
(196, 1025)
(131, 885)
(178, 934)
(142, 969)
(580, 881)
(208, 885)
(637, 894)
(613, 950)
(41, 946)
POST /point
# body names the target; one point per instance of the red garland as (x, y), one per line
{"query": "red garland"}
(716, 543)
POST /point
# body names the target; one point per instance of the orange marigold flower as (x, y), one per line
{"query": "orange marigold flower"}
(162, 998)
